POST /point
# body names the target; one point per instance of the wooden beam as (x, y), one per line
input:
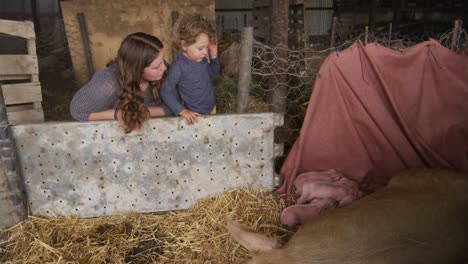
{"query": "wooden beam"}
(25, 116)
(279, 36)
(25, 77)
(245, 70)
(17, 28)
(18, 64)
(20, 93)
(372, 16)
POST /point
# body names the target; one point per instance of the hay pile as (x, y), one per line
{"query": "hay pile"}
(198, 235)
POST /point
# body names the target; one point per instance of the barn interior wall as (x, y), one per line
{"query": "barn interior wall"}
(107, 23)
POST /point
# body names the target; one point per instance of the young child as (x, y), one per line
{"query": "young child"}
(190, 74)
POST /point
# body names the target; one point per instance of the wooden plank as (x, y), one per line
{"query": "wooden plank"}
(25, 116)
(32, 46)
(25, 77)
(17, 28)
(20, 93)
(19, 107)
(18, 64)
(34, 77)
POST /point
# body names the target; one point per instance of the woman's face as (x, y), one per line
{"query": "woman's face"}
(155, 71)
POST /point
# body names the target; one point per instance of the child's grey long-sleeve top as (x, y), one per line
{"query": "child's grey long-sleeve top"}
(192, 81)
(100, 94)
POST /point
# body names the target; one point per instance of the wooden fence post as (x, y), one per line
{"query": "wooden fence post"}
(372, 16)
(174, 17)
(456, 34)
(390, 31)
(279, 40)
(245, 70)
(366, 37)
(12, 198)
(333, 32)
(86, 45)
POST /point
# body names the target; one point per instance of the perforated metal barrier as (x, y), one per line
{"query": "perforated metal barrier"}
(94, 169)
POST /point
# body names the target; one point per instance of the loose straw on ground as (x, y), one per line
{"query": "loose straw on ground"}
(197, 235)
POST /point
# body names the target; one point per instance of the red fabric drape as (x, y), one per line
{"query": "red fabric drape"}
(375, 111)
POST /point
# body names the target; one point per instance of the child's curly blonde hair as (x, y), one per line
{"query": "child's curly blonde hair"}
(189, 27)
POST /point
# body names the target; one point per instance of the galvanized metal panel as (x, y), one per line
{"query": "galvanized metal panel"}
(93, 169)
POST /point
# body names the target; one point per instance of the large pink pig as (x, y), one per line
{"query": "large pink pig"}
(343, 194)
(300, 213)
(315, 188)
(420, 217)
(331, 176)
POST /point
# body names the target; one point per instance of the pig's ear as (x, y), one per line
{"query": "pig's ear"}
(250, 239)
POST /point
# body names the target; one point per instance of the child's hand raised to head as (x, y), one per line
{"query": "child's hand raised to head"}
(213, 49)
(190, 116)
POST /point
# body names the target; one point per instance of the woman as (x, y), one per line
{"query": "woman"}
(128, 89)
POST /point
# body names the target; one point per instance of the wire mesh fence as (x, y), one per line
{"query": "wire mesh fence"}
(298, 72)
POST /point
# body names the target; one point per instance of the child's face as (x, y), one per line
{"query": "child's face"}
(156, 69)
(198, 50)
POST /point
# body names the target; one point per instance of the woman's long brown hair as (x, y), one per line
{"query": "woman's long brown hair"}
(137, 51)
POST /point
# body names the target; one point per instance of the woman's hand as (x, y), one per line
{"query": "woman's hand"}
(190, 116)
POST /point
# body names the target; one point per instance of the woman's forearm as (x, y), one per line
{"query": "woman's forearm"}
(108, 114)
(104, 115)
(156, 111)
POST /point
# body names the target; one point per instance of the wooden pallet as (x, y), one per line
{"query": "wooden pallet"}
(19, 75)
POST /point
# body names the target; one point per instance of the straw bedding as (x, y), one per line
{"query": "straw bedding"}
(197, 235)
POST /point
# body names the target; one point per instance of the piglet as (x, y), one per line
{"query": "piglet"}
(331, 176)
(343, 194)
(298, 214)
(419, 218)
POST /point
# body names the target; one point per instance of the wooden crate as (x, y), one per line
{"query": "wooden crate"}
(19, 76)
